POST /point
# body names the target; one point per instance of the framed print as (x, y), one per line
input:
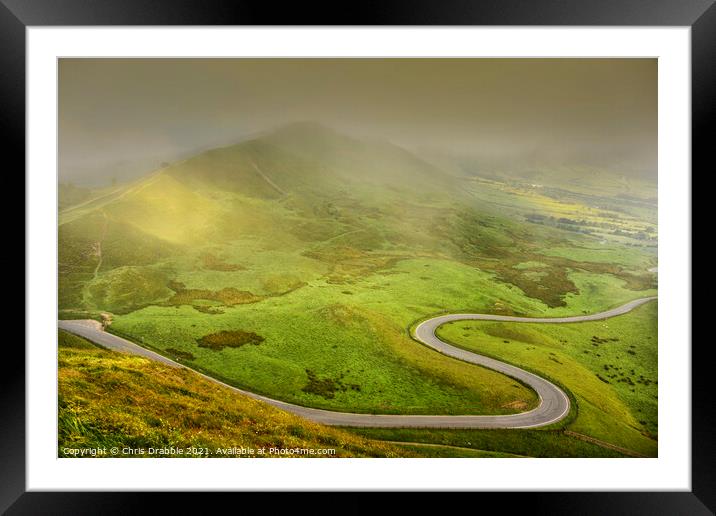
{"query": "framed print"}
(441, 249)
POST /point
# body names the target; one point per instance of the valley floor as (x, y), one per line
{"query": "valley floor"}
(585, 391)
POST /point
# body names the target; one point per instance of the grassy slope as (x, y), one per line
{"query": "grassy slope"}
(354, 333)
(110, 399)
(610, 367)
(525, 443)
(365, 240)
(357, 331)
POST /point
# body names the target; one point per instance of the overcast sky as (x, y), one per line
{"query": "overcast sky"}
(122, 117)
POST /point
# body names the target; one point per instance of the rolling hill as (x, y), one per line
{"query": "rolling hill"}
(302, 184)
(108, 399)
(326, 248)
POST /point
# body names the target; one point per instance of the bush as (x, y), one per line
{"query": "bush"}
(229, 338)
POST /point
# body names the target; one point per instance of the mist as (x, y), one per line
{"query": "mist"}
(121, 118)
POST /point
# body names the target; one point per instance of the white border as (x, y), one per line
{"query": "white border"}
(670, 471)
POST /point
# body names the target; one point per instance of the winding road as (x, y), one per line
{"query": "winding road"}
(553, 406)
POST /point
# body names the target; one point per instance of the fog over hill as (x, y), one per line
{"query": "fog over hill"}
(122, 118)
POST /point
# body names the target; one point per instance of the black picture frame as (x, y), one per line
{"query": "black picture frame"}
(17, 15)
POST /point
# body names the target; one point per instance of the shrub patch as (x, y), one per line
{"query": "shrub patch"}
(326, 387)
(229, 338)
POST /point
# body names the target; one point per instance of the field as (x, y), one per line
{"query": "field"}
(515, 443)
(294, 265)
(108, 399)
(355, 339)
(609, 366)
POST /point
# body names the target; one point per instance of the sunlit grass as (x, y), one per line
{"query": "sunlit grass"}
(330, 249)
(109, 399)
(610, 366)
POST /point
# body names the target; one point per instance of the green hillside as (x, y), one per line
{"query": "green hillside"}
(361, 163)
(329, 248)
(609, 366)
(108, 399)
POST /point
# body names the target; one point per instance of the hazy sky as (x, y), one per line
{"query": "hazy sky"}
(122, 117)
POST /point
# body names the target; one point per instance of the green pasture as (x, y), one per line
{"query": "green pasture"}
(610, 367)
